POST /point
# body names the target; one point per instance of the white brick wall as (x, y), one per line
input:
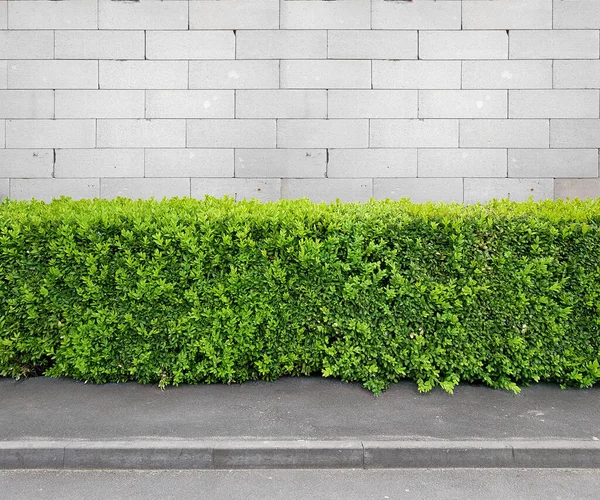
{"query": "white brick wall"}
(453, 100)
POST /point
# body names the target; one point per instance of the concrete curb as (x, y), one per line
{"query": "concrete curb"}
(232, 454)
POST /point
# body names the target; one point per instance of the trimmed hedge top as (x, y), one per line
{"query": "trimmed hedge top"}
(188, 291)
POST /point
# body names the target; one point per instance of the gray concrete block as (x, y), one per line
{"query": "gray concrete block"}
(50, 133)
(328, 190)
(344, 14)
(144, 189)
(414, 133)
(416, 74)
(143, 15)
(189, 104)
(281, 104)
(330, 74)
(526, 163)
(27, 44)
(231, 133)
(35, 15)
(99, 44)
(138, 455)
(577, 74)
(189, 162)
(234, 14)
(99, 103)
(575, 133)
(281, 44)
(3, 74)
(484, 190)
(288, 454)
(190, 44)
(577, 188)
(576, 14)
(507, 74)
(279, 163)
(26, 163)
(99, 163)
(427, 454)
(234, 74)
(419, 190)
(263, 190)
(372, 103)
(462, 162)
(53, 75)
(47, 189)
(365, 163)
(462, 103)
(141, 133)
(372, 44)
(492, 44)
(421, 15)
(504, 133)
(322, 133)
(143, 74)
(26, 104)
(507, 14)
(554, 104)
(554, 44)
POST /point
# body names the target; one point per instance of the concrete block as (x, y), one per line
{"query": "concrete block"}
(416, 74)
(463, 45)
(462, 162)
(2, 133)
(27, 44)
(554, 44)
(190, 45)
(138, 454)
(484, 190)
(265, 163)
(99, 163)
(281, 104)
(414, 133)
(141, 133)
(39, 15)
(3, 16)
(372, 103)
(328, 190)
(143, 74)
(577, 188)
(231, 133)
(419, 190)
(507, 14)
(462, 103)
(420, 15)
(234, 14)
(577, 74)
(507, 74)
(407, 454)
(144, 188)
(3, 74)
(101, 44)
(4, 188)
(504, 133)
(189, 162)
(575, 133)
(47, 189)
(50, 133)
(576, 14)
(189, 104)
(554, 104)
(26, 104)
(281, 44)
(260, 189)
(525, 163)
(319, 74)
(143, 15)
(364, 163)
(289, 454)
(371, 44)
(322, 133)
(99, 103)
(342, 14)
(53, 75)
(234, 74)
(26, 163)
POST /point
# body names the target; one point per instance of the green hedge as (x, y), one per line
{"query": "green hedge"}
(188, 291)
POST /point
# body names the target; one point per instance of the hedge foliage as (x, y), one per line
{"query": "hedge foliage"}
(188, 291)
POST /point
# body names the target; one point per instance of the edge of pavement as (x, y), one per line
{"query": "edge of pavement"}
(296, 454)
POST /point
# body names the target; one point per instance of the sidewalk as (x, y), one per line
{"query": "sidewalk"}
(293, 423)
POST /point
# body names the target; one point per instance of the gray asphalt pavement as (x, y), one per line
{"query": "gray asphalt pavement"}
(292, 408)
(410, 484)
